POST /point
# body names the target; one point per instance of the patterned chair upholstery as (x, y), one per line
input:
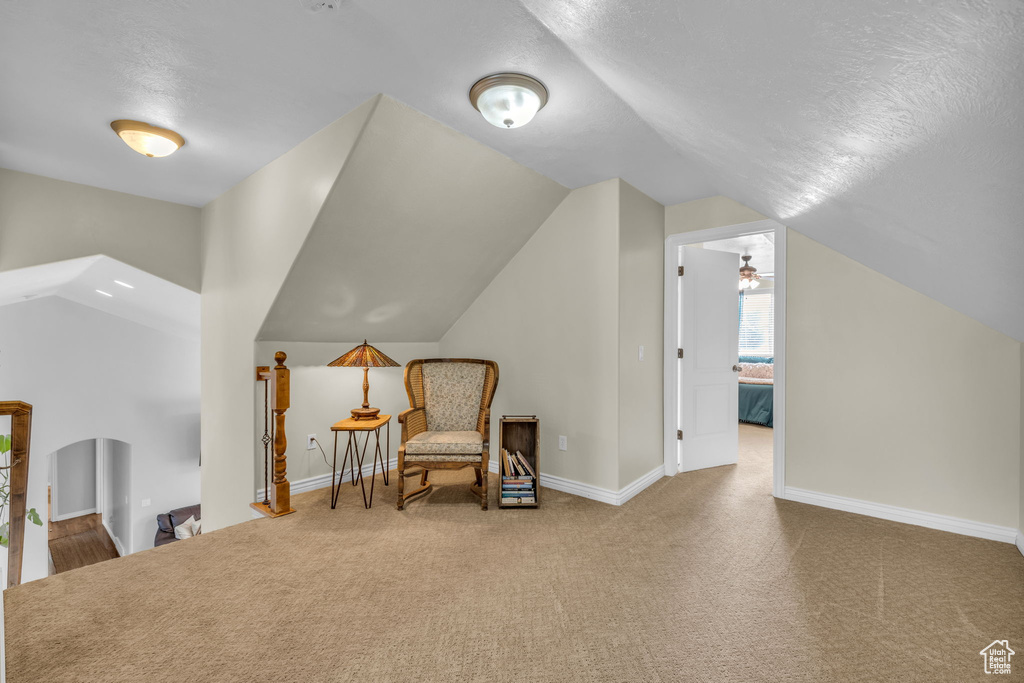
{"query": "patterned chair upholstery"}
(449, 423)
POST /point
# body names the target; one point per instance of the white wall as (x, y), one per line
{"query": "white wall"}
(321, 396)
(116, 458)
(74, 480)
(43, 220)
(250, 238)
(88, 374)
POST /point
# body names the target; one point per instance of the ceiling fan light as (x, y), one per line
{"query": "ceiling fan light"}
(508, 100)
(754, 284)
(147, 140)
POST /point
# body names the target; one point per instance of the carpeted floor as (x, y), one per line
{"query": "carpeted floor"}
(702, 577)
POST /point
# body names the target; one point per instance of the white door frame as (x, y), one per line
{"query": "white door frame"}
(671, 361)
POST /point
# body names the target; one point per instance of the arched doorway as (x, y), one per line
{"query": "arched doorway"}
(89, 518)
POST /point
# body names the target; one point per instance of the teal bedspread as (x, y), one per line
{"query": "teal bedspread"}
(756, 403)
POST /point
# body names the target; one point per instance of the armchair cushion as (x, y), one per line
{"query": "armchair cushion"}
(444, 457)
(437, 443)
(452, 395)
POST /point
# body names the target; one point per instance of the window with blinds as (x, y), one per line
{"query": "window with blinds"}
(757, 323)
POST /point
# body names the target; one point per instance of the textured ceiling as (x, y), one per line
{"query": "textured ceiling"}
(760, 248)
(419, 221)
(890, 131)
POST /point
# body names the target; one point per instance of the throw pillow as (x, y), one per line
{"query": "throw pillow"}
(185, 529)
(757, 370)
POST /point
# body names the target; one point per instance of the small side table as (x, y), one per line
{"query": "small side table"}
(354, 456)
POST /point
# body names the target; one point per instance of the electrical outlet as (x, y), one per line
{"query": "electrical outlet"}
(146, 502)
(310, 442)
(563, 443)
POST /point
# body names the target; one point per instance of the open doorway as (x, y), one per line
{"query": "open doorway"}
(725, 350)
(88, 517)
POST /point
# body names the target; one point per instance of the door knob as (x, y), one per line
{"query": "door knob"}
(736, 368)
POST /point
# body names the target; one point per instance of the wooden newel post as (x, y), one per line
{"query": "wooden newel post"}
(280, 490)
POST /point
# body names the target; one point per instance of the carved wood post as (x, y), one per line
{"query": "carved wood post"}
(280, 490)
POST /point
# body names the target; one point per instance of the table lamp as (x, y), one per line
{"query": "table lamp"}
(364, 356)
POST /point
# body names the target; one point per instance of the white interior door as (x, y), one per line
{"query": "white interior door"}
(709, 394)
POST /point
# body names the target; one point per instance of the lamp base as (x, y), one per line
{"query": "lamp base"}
(365, 413)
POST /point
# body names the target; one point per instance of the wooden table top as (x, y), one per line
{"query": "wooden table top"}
(353, 425)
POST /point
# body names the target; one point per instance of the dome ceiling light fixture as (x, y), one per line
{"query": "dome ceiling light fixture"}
(508, 100)
(147, 140)
(748, 275)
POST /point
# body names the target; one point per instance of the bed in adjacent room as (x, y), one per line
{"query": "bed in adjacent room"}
(756, 390)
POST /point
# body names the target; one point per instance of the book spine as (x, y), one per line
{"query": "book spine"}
(525, 464)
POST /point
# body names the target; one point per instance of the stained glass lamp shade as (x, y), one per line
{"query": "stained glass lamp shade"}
(364, 356)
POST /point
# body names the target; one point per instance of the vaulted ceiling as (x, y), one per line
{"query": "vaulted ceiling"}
(110, 286)
(889, 131)
(417, 224)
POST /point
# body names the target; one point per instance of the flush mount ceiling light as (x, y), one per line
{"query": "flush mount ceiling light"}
(508, 100)
(748, 275)
(146, 139)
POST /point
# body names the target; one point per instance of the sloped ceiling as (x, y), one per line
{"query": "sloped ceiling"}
(890, 131)
(110, 286)
(419, 221)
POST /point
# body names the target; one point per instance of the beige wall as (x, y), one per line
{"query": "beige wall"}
(641, 308)
(321, 396)
(251, 236)
(564, 320)
(550, 320)
(43, 220)
(894, 398)
(711, 212)
(1020, 521)
(927, 405)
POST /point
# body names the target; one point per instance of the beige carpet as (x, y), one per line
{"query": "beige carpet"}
(702, 577)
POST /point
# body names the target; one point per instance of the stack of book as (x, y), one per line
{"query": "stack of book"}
(517, 480)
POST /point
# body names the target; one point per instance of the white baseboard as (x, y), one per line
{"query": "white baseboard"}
(931, 520)
(323, 481)
(1020, 541)
(117, 543)
(72, 515)
(597, 493)
(576, 488)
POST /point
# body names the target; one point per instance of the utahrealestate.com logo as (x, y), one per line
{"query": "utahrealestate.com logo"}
(997, 657)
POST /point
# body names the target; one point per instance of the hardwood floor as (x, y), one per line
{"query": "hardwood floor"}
(79, 542)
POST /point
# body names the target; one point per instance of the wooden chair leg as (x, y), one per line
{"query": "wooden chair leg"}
(483, 489)
(479, 479)
(401, 487)
(423, 477)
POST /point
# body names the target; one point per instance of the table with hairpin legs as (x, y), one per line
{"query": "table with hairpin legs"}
(354, 455)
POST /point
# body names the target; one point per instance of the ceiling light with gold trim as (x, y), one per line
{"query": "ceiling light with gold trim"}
(508, 100)
(147, 140)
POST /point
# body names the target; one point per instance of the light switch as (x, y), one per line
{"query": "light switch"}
(146, 502)
(640, 352)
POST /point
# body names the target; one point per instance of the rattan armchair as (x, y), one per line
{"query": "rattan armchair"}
(449, 423)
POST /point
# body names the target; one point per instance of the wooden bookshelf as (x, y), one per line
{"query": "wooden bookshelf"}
(519, 434)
